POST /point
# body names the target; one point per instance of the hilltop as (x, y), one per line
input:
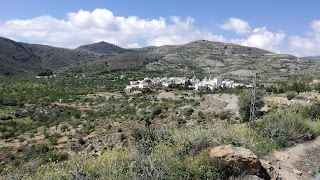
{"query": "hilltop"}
(103, 48)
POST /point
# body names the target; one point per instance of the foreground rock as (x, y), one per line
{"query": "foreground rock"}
(244, 161)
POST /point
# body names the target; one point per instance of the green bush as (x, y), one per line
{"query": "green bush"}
(147, 138)
(188, 112)
(225, 115)
(312, 111)
(285, 129)
(244, 104)
(291, 94)
(156, 111)
(54, 156)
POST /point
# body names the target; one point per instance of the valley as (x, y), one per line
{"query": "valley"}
(82, 121)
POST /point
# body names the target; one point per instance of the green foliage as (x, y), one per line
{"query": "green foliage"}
(156, 111)
(285, 87)
(53, 139)
(285, 129)
(181, 121)
(188, 112)
(53, 156)
(244, 104)
(146, 139)
(312, 111)
(224, 115)
(291, 94)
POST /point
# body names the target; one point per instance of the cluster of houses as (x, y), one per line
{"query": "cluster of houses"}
(194, 83)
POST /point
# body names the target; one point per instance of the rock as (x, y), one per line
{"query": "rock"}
(242, 159)
(297, 172)
(269, 168)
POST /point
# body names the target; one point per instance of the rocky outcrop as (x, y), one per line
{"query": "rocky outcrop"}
(244, 161)
(241, 158)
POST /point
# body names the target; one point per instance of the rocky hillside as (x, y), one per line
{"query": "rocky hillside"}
(312, 58)
(204, 58)
(17, 57)
(103, 48)
(228, 60)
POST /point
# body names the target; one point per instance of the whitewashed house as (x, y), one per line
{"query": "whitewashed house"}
(211, 83)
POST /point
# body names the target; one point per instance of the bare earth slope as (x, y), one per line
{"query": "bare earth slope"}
(301, 159)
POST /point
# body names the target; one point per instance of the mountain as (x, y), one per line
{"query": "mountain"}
(103, 48)
(226, 59)
(17, 57)
(311, 58)
(203, 58)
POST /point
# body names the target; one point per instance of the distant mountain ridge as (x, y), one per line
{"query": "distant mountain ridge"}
(201, 57)
(18, 57)
(312, 58)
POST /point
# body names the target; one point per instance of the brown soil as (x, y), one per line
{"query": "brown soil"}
(304, 158)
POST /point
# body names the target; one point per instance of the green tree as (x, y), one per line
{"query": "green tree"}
(244, 104)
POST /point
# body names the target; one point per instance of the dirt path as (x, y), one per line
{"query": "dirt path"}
(299, 162)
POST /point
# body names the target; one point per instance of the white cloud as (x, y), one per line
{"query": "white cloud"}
(264, 39)
(259, 37)
(182, 32)
(237, 25)
(85, 27)
(308, 45)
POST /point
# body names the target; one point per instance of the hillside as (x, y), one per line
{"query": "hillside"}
(312, 58)
(17, 57)
(228, 60)
(203, 58)
(103, 48)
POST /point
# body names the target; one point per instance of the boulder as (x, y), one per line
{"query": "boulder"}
(242, 159)
(268, 170)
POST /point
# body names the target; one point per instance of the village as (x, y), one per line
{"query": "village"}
(193, 83)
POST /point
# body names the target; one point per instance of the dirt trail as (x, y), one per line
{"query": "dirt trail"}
(299, 162)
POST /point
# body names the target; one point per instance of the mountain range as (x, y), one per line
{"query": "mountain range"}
(206, 57)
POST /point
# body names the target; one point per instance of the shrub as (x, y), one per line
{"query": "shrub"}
(146, 139)
(285, 129)
(312, 111)
(42, 148)
(291, 94)
(81, 141)
(181, 121)
(188, 112)
(225, 115)
(156, 111)
(53, 139)
(54, 156)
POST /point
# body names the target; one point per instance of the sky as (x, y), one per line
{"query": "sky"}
(281, 26)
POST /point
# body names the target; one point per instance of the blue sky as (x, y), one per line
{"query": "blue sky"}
(280, 26)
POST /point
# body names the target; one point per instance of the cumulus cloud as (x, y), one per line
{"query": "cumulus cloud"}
(237, 25)
(308, 45)
(84, 27)
(259, 37)
(264, 39)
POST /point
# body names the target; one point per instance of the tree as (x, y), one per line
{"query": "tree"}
(244, 104)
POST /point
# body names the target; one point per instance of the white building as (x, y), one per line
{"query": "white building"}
(212, 84)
